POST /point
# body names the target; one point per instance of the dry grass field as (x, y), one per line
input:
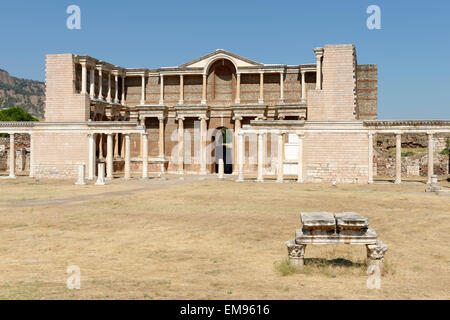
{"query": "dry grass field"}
(208, 239)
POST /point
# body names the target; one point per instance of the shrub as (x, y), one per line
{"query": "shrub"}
(447, 148)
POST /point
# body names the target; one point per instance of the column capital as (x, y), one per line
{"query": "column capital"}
(182, 118)
(318, 52)
(237, 118)
(203, 117)
(430, 133)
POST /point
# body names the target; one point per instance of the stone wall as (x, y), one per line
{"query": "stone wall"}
(337, 99)
(336, 156)
(367, 91)
(57, 155)
(62, 103)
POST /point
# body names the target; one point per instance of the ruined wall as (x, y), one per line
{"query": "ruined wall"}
(62, 103)
(22, 148)
(367, 91)
(340, 157)
(414, 158)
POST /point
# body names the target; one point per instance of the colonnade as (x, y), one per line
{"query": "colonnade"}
(262, 152)
(85, 66)
(237, 99)
(398, 156)
(109, 155)
(203, 143)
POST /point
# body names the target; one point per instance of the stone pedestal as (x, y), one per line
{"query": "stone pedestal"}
(81, 174)
(101, 175)
(328, 228)
(434, 187)
(221, 170)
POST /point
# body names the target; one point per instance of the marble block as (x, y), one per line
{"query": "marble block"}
(318, 220)
(351, 220)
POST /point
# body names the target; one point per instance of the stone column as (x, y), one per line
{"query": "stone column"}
(300, 136)
(237, 127)
(161, 90)
(92, 84)
(144, 156)
(181, 89)
(83, 78)
(398, 158)
(108, 97)
(123, 90)
(127, 157)
(100, 84)
(91, 163)
(161, 137)
(241, 156)
(430, 156)
(238, 88)
(143, 89)
(204, 89)
(116, 145)
(319, 55)
(100, 147)
(280, 157)
(122, 146)
(282, 86)
(260, 177)
(203, 131)
(12, 156)
(116, 96)
(303, 86)
(261, 87)
(370, 168)
(180, 145)
(31, 155)
(109, 156)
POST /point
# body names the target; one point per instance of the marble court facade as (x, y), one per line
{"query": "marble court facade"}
(312, 122)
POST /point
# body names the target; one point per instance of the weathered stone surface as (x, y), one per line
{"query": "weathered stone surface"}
(349, 236)
(317, 220)
(351, 220)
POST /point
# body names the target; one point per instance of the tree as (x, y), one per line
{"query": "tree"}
(16, 114)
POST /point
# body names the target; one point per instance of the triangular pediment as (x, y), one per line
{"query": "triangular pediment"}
(204, 61)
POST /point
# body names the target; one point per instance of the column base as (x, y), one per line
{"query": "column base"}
(300, 181)
(260, 180)
(398, 181)
(81, 183)
(260, 101)
(180, 172)
(279, 180)
(13, 176)
(240, 179)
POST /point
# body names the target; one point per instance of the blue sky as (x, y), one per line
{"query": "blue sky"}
(412, 49)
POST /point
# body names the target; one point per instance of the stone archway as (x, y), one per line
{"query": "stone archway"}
(222, 140)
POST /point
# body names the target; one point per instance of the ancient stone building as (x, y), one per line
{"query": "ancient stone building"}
(313, 121)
